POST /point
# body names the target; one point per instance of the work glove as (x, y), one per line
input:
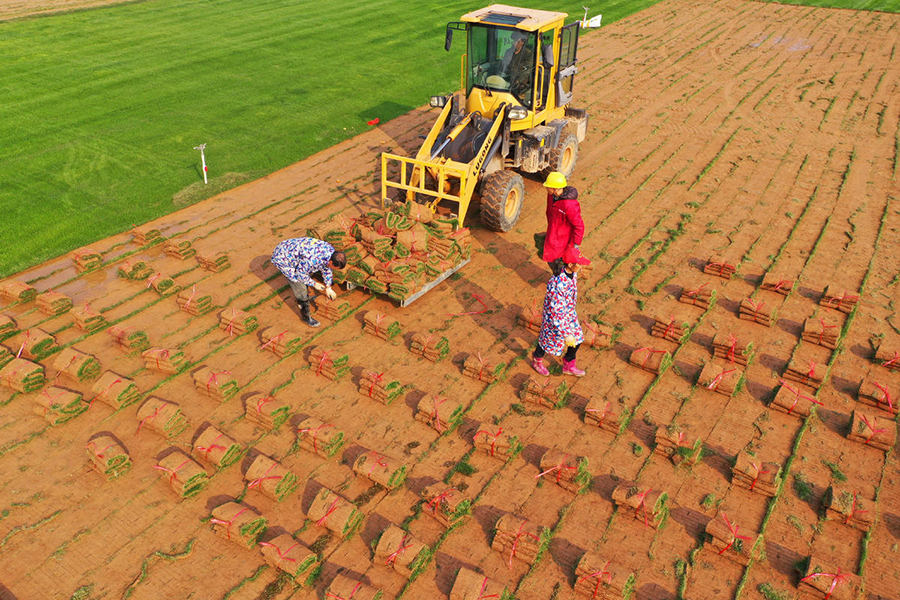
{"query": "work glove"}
(330, 293)
(570, 341)
(318, 286)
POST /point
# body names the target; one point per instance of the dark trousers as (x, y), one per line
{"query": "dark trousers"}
(569, 356)
(301, 292)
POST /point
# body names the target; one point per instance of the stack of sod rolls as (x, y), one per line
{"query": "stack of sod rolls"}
(604, 414)
(821, 331)
(129, 339)
(8, 327)
(430, 346)
(87, 259)
(165, 360)
(719, 267)
(823, 580)
(115, 390)
(531, 317)
(217, 449)
(439, 412)
(544, 393)
(58, 405)
(756, 476)
(699, 296)
(496, 442)
(517, 538)
(599, 579)
(17, 291)
(756, 311)
(643, 503)
(597, 335)
(332, 512)
(193, 302)
(721, 379)
(328, 363)
(671, 442)
(215, 384)
(790, 400)
(53, 303)
(183, 473)
(446, 504)
(379, 387)
(725, 538)
(470, 585)
(400, 551)
(164, 286)
(22, 376)
(271, 478)
(76, 366)
(477, 367)
(238, 523)
(775, 283)
(668, 328)
(345, 588)
(237, 322)
(290, 556)
(650, 359)
(570, 472)
(181, 250)
(147, 235)
(841, 301)
(165, 418)
(806, 372)
(380, 325)
(108, 456)
(868, 429)
(266, 411)
(281, 343)
(378, 468)
(136, 271)
(87, 320)
(36, 344)
(218, 261)
(727, 346)
(871, 392)
(334, 311)
(318, 437)
(889, 359)
(850, 508)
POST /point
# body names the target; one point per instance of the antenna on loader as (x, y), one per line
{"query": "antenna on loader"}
(201, 148)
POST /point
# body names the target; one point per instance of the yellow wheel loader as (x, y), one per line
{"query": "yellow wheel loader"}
(512, 113)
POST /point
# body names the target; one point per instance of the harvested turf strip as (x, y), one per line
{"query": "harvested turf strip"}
(115, 390)
(76, 366)
(161, 416)
(108, 456)
(183, 473)
(22, 376)
(271, 478)
(58, 405)
(238, 523)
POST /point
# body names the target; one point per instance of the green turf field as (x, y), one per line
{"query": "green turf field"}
(100, 109)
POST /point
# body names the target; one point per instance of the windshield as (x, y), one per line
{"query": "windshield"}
(502, 60)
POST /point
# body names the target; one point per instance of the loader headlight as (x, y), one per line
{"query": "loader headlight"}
(517, 112)
(438, 101)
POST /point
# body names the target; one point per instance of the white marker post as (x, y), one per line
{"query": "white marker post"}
(201, 148)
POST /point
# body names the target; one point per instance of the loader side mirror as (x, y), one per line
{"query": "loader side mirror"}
(448, 39)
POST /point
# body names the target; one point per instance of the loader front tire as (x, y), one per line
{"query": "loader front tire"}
(564, 156)
(501, 200)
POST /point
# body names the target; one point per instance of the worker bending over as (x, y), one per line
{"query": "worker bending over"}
(297, 259)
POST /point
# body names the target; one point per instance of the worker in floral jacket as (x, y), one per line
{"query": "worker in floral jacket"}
(297, 259)
(560, 328)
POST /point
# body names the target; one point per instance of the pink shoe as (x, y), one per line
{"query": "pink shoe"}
(538, 365)
(569, 368)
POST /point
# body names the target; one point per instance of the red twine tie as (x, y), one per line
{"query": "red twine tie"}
(314, 431)
(853, 510)
(695, 294)
(24, 342)
(494, 437)
(435, 415)
(734, 534)
(403, 547)
(330, 510)
(188, 303)
(152, 279)
(438, 500)
(714, 384)
(887, 396)
(258, 481)
(642, 507)
(231, 323)
(837, 578)
(797, 396)
(603, 413)
(105, 392)
(160, 352)
(281, 554)
(759, 472)
(889, 363)
(480, 300)
(872, 429)
(210, 448)
(227, 524)
(650, 352)
(599, 574)
(379, 462)
(350, 597)
(213, 379)
(731, 348)
(322, 363)
(173, 472)
(481, 595)
(148, 418)
(93, 447)
(519, 534)
(376, 380)
(558, 468)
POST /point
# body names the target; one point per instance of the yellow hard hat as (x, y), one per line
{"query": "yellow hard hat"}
(555, 180)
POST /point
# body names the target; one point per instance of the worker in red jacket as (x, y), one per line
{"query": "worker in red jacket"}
(565, 228)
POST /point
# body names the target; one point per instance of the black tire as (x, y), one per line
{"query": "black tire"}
(564, 156)
(501, 200)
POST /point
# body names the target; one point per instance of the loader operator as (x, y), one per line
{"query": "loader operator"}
(519, 63)
(297, 258)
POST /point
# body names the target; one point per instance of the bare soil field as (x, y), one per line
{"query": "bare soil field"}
(16, 9)
(757, 135)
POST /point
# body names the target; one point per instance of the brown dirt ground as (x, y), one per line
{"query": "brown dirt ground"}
(758, 132)
(16, 9)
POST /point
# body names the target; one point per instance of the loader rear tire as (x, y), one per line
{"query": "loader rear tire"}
(564, 156)
(501, 200)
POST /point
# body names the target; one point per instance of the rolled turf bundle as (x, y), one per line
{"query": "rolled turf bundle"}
(165, 360)
(447, 505)
(597, 335)
(650, 359)
(599, 579)
(697, 296)
(400, 551)
(108, 456)
(217, 449)
(476, 367)
(380, 325)
(8, 327)
(86, 259)
(76, 366)
(164, 286)
(329, 363)
(868, 429)
(841, 301)
(378, 387)
(756, 476)
(36, 344)
(345, 588)
(439, 412)
(129, 339)
(821, 331)
(756, 311)
(6, 355)
(668, 329)
(162, 417)
(495, 442)
(193, 302)
(775, 283)
(719, 379)
(806, 372)
(335, 310)
(238, 523)
(237, 322)
(643, 503)
(17, 291)
(671, 443)
(724, 538)
(280, 343)
(266, 411)
(402, 291)
(181, 250)
(147, 235)
(318, 437)
(378, 468)
(183, 473)
(719, 267)
(568, 471)
(290, 556)
(517, 538)
(544, 393)
(871, 393)
(848, 507)
(271, 478)
(22, 376)
(355, 275)
(215, 384)
(137, 271)
(115, 390)
(334, 513)
(87, 320)
(53, 303)
(430, 346)
(792, 401)
(604, 414)
(470, 585)
(215, 262)
(727, 346)
(823, 581)
(889, 359)
(376, 285)
(58, 405)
